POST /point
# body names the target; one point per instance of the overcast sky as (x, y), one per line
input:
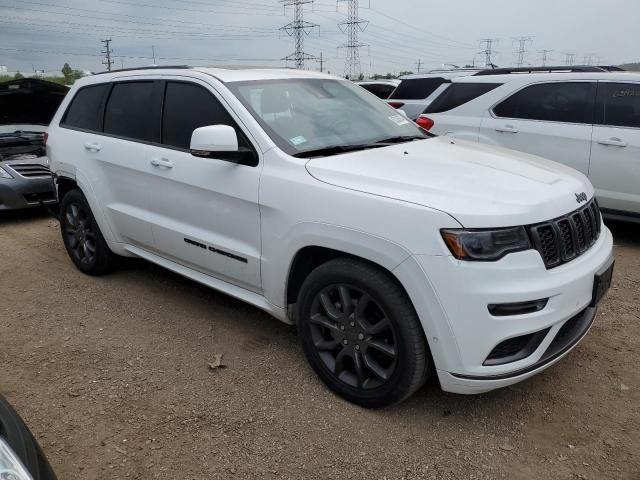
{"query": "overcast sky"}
(46, 33)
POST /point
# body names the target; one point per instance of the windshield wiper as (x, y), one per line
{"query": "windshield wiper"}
(402, 139)
(335, 150)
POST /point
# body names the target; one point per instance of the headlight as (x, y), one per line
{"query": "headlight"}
(485, 245)
(10, 466)
(4, 173)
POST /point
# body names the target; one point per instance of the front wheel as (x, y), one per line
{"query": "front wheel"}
(82, 237)
(361, 334)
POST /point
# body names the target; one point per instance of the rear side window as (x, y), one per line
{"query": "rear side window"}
(619, 104)
(129, 111)
(187, 107)
(86, 108)
(570, 102)
(417, 88)
(457, 94)
(380, 90)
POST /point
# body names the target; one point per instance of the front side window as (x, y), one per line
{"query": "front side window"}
(186, 107)
(568, 102)
(308, 115)
(619, 104)
(86, 108)
(457, 94)
(129, 111)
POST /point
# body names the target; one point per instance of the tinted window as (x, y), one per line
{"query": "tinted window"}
(129, 111)
(187, 107)
(619, 104)
(458, 94)
(417, 88)
(554, 102)
(380, 90)
(87, 107)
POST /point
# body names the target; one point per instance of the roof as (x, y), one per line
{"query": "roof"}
(460, 72)
(224, 74)
(540, 77)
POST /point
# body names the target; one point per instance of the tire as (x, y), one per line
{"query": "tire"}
(19, 438)
(82, 237)
(374, 353)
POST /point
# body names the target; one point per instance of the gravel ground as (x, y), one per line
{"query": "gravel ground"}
(112, 375)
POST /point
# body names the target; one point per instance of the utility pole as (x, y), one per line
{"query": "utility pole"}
(107, 51)
(352, 26)
(569, 58)
(545, 56)
(153, 52)
(419, 64)
(488, 50)
(522, 49)
(321, 61)
(298, 29)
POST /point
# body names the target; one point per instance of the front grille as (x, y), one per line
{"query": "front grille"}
(30, 170)
(561, 240)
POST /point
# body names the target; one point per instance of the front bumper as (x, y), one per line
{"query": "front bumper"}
(20, 192)
(461, 331)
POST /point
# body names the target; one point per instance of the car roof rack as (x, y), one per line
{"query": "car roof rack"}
(153, 67)
(561, 69)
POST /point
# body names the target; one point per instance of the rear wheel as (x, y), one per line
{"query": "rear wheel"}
(82, 237)
(361, 334)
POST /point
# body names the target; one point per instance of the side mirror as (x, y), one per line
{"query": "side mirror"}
(220, 142)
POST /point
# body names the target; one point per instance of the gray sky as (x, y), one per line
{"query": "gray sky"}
(46, 33)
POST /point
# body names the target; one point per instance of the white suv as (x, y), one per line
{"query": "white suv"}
(589, 121)
(396, 254)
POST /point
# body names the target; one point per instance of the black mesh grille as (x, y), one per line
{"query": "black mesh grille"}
(563, 239)
(510, 347)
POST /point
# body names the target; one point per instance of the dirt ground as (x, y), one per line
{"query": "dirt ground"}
(112, 376)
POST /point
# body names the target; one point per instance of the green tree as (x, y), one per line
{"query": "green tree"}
(67, 72)
(18, 76)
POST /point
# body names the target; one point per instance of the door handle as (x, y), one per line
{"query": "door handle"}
(92, 146)
(161, 162)
(613, 142)
(507, 129)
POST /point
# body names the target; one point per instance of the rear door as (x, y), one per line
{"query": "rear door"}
(615, 154)
(110, 126)
(553, 120)
(204, 211)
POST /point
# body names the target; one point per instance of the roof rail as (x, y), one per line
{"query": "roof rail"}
(155, 67)
(567, 69)
(612, 68)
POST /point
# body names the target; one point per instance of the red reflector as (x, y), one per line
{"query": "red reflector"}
(45, 137)
(425, 122)
(396, 104)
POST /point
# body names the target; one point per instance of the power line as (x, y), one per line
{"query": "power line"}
(107, 51)
(545, 56)
(352, 26)
(488, 50)
(298, 29)
(569, 58)
(522, 49)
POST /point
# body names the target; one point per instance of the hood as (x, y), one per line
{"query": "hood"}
(479, 185)
(30, 101)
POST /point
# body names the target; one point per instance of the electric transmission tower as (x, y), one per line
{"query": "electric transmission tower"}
(352, 26)
(569, 58)
(107, 51)
(522, 51)
(298, 29)
(545, 56)
(488, 50)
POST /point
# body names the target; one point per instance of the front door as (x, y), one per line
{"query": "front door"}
(615, 154)
(204, 211)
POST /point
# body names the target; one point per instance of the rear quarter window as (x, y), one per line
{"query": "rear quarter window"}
(86, 108)
(417, 88)
(457, 94)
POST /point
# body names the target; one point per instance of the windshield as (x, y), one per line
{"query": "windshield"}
(307, 115)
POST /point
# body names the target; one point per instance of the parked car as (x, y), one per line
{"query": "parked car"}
(393, 251)
(416, 91)
(21, 458)
(380, 88)
(26, 109)
(589, 121)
